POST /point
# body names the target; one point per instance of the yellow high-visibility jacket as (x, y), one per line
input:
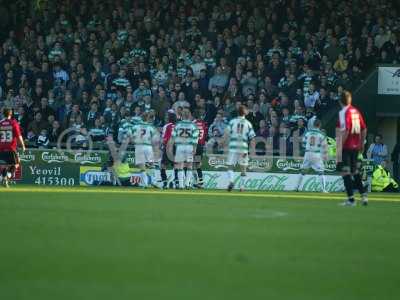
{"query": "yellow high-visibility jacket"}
(381, 179)
(122, 170)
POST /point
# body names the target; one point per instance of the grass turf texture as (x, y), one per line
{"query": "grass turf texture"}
(91, 243)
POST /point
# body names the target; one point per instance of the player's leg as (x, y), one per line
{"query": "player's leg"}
(347, 180)
(231, 163)
(12, 161)
(199, 171)
(149, 157)
(304, 166)
(323, 182)
(243, 163)
(243, 174)
(140, 162)
(179, 165)
(4, 176)
(300, 179)
(319, 167)
(355, 168)
(163, 169)
(189, 166)
(176, 171)
(143, 176)
(189, 175)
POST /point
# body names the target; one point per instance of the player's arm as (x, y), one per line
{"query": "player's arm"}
(304, 140)
(324, 146)
(252, 147)
(196, 137)
(17, 133)
(252, 140)
(225, 137)
(363, 133)
(363, 138)
(21, 142)
(171, 141)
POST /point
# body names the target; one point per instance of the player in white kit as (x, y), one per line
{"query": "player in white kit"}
(316, 152)
(145, 136)
(240, 134)
(185, 137)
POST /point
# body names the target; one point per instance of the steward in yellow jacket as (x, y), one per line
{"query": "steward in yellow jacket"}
(122, 172)
(382, 181)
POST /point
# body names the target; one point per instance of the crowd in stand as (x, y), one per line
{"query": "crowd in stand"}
(91, 66)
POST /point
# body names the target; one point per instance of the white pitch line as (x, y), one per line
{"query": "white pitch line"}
(289, 195)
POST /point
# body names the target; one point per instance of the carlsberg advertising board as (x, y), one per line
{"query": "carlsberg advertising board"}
(52, 167)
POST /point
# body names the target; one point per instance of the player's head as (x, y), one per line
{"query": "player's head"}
(7, 112)
(149, 117)
(243, 111)
(171, 117)
(200, 113)
(346, 98)
(317, 123)
(186, 114)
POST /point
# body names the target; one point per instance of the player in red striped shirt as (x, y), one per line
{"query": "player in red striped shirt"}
(203, 131)
(351, 134)
(167, 158)
(10, 135)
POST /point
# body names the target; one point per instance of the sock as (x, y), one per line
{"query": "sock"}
(242, 180)
(188, 179)
(358, 183)
(176, 177)
(300, 181)
(323, 181)
(181, 178)
(164, 177)
(349, 187)
(12, 169)
(151, 175)
(230, 176)
(145, 179)
(200, 175)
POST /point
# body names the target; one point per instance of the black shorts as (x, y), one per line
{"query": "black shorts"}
(165, 160)
(199, 153)
(350, 161)
(9, 158)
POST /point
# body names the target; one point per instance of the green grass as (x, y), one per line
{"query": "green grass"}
(85, 243)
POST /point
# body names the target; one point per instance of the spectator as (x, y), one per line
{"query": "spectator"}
(255, 116)
(382, 181)
(215, 60)
(37, 125)
(263, 129)
(217, 128)
(341, 64)
(377, 151)
(55, 132)
(219, 80)
(42, 141)
(312, 97)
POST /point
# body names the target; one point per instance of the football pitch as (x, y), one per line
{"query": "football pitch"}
(116, 243)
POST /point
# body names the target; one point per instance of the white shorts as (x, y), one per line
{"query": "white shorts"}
(236, 158)
(313, 161)
(184, 153)
(143, 154)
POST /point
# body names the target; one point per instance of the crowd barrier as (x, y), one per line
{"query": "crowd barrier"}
(83, 167)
